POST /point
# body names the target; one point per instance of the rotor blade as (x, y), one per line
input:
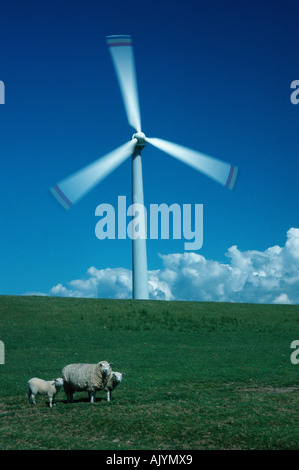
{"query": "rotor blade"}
(220, 171)
(73, 188)
(121, 51)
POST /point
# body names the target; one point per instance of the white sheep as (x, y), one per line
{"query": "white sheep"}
(85, 377)
(38, 386)
(115, 379)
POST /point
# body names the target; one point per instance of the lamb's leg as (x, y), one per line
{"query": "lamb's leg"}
(51, 401)
(92, 397)
(109, 395)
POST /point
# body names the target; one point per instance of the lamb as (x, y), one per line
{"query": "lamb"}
(85, 377)
(38, 386)
(115, 379)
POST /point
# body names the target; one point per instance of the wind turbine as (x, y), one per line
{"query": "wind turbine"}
(71, 189)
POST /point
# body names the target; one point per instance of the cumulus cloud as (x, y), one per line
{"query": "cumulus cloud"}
(103, 283)
(270, 276)
(282, 299)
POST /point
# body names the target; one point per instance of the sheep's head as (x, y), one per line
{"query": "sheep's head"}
(105, 366)
(58, 382)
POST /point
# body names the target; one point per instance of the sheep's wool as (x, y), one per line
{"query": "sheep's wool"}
(86, 377)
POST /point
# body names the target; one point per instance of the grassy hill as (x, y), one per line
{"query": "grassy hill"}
(198, 375)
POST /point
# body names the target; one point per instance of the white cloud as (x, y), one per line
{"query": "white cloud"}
(270, 276)
(40, 294)
(282, 299)
(102, 283)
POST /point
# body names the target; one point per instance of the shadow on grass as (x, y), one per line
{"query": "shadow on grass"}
(81, 400)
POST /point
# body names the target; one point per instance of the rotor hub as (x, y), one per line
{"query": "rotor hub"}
(140, 137)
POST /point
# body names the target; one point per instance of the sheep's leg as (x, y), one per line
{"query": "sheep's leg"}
(109, 395)
(51, 401)
(68, 392)
(92, 397)
(33, 398)
(29, 395)
(69, 397)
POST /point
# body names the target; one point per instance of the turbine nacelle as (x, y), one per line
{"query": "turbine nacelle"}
(140, 137)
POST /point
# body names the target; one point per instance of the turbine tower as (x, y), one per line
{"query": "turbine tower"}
(71, 189)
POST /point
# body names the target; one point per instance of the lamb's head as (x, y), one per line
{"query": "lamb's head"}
(105, 367)
(58, 382)
(117, 377)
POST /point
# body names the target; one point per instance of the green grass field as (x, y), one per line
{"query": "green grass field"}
(198, 375)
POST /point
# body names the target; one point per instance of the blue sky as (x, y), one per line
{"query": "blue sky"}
(212, 75)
